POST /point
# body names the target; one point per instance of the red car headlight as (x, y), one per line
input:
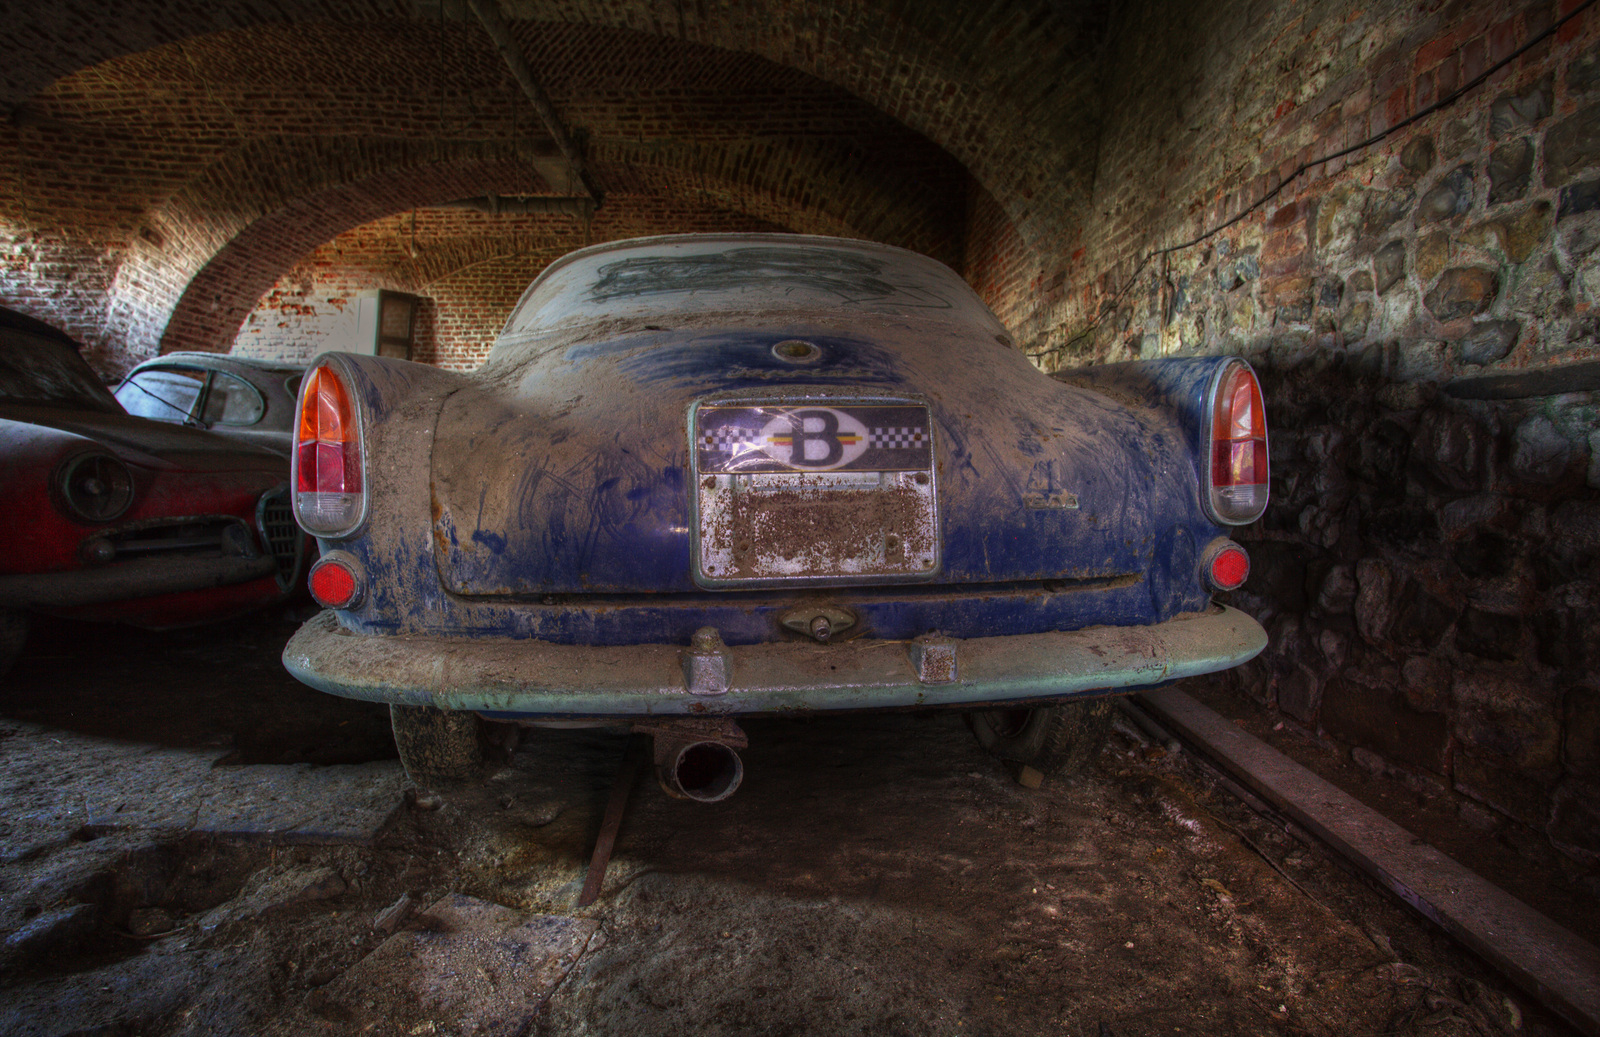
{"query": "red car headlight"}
(95, 487)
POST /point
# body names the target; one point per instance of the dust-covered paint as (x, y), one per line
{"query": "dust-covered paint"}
(563, 493)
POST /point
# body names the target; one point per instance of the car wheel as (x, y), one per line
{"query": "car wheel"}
(1059, 739)
(13, 635)
(437, 746)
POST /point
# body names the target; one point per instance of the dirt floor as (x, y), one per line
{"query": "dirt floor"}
(191, 842)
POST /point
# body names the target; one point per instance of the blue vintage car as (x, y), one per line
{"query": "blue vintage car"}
(705, 477)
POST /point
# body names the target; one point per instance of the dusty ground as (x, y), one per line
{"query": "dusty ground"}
(875, 875)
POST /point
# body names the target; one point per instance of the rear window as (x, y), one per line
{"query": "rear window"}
(180, 394)
(668, 277)
(34, 369)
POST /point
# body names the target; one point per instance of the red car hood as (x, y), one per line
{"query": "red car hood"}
(151, 444)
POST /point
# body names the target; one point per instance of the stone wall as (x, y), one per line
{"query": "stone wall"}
(1423, 315)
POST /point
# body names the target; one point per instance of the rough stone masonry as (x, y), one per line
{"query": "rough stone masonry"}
(1423, 312)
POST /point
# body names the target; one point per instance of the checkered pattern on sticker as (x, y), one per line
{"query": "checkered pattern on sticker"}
(898, 438)
(729, 438)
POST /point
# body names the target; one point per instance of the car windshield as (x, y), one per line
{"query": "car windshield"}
(665, 278)
(175, 393)
(164, 395)
(34, 369)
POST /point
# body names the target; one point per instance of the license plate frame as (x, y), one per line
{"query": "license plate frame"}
(800, 490)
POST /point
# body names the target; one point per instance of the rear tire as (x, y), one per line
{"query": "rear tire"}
(438, 747)
(1056, 740)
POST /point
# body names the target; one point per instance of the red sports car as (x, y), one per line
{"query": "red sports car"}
(112, 517)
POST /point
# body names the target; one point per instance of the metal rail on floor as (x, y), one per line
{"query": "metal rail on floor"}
(1551, 963)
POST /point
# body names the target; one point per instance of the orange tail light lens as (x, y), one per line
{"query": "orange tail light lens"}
(328, 498)
(1237, 454)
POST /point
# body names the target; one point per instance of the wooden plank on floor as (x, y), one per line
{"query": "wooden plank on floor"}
(1553, 964)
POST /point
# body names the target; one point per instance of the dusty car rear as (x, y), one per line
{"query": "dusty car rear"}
(706, 477)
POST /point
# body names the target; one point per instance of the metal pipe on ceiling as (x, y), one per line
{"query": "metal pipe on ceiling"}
(494, 23)
(580, 206)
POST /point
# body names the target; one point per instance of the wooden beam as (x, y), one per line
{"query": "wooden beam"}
(1553, 964)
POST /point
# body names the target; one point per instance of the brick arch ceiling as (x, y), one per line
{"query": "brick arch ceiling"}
(1008, 88)
(218, 293)
(170, 154)
(237, 216)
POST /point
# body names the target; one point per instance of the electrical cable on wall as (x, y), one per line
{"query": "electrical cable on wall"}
(1443, 102)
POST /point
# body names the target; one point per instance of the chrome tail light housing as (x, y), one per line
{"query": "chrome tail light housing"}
(329, 456)
(1235, 479)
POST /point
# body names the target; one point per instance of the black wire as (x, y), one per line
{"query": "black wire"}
(1443, 102)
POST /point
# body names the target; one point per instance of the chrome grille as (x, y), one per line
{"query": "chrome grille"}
(275, 519)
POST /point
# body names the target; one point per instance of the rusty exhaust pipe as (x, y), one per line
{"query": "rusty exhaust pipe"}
(697, 759)
(706, 772)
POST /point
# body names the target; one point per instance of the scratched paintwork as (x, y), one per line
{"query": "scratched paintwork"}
(570, 476)
(549, 497)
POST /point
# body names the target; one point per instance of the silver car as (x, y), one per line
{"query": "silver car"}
(249, 399)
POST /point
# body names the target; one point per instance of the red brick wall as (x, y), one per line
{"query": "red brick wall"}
(470, 267)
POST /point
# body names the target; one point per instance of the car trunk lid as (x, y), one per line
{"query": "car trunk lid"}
(572, 472)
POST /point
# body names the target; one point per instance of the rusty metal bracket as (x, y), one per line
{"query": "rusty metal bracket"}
(706, 664)
(607, 840)
(933, 656)
(694, 729)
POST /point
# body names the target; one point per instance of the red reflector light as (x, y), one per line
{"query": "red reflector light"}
(1229, 568)
(1237, 455)
(334, 584)
(328, 498)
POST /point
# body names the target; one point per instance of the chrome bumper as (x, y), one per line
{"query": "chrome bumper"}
(128, 580)
(579, 681)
